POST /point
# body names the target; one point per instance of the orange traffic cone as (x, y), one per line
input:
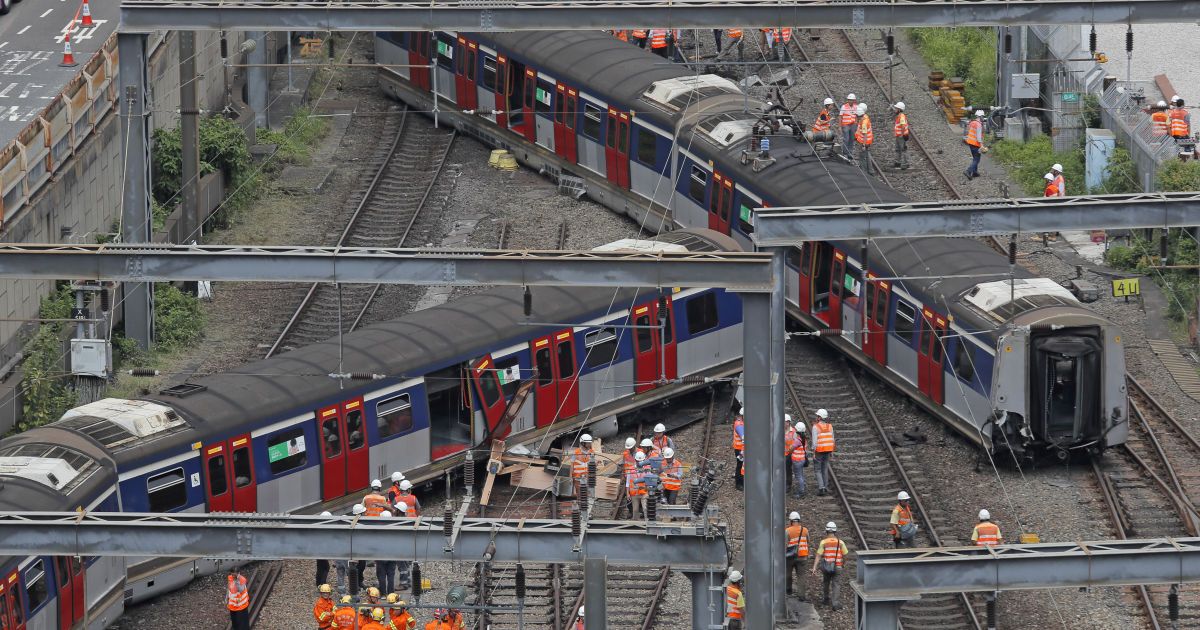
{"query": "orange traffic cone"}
(68, 57)
(87, 14)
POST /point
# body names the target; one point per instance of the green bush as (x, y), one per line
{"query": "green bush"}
(965, 52)
(295, 142)
(1029, 161)
(223, 147)
(1176, 176)
(178, 318)
(1120, 176)
(47, 394)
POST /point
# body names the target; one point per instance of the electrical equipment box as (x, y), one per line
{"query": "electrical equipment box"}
(1026, 85)
(89, 357)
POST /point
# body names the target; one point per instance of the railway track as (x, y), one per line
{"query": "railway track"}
(1149, 489)
(868, 473)
(260, 584)
(384, 217)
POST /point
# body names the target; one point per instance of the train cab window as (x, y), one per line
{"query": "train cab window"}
(601, 347)
(591, 121)
(242, 476)
(489, 73)
(702, 313)
(216, 475)
(167, 491)
(939, 338)
(647, 147)
(906, 319)
(445, 51)
(645, 338)
(36, 588)
(543, 365)
(393, 416)
(697, 183)
(566, 359)
(541, 99)
(508, 370)
(471, 56)
(354, 429)
(286, 450)
(331, 437)
(964, 363)
(491, 392)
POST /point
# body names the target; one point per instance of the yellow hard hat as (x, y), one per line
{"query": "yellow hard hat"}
(392, 598)
(372, 592)
(346, 599)
(324, 589)
(377, 614)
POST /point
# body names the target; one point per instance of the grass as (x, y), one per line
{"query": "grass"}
(965, 52)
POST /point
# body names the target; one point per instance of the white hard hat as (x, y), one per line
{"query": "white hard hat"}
(900, 105)
(741, 411)
(787, 418)
(585, 438)
(985, 515)
(402, 506)
(668, 452)
(639, 456)
(1048, 177)
(581, 611)
(735, 576)
(397, 477)
(828, 101)
(903, 496)
(794, 516)
(660, 428)
(979, 113)
(405, 485)
(862, 109)
(375, 483)
(831, 526)
(1174, 97)
(851, 97)
(1056, 167)
(647, 442)
(385, 515)
(630, 442)
(358, 508)
(822, 414)
(1161, 104)
(326, 514)
(800, 427)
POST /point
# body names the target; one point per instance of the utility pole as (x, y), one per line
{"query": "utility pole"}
(138, 302)
(190, 225)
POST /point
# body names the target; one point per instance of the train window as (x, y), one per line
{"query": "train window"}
(491, 393)
(445, 52)
(36, 588)
(668, 330)
(394, 415)
(647, 147)
(242, 476)
(354, 429)
(623, 138)
(331, 437)
(702, 313)
(964, 363)
(286, 451)
(509, 371)
(645, 337)
(744, 216)
(906, 319)
(698, 182)
(939, 338)
(167, 491)
(560, 103)
(545, 370)
(872, 294)
(471, 60)
(601, 347)
(566, 359)
(3, 612)
(217, 483)
(591, 121)
(489, 73)
(571, 111)
(545, 90)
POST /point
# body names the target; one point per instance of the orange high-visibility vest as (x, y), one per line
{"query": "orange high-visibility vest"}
(975, 133)
(1051, 190)
(822, 122)
(732, 594)
(900, 128)
(636, 483)
(621, 34)
(738, 442)
(323, 612)
(345, 617)
(735, 33)
(658, 38)
(849, 114)
(1060, 185)
(833, 551)
(639, 33)
(864, 135)
(629, 462)
(1159, 122)
(660, 443)
(409, 499)
(672, 474)
(987, 534)
(789, 440)
(1179, 123)
(903, 517)
(579, 463)
(825, 441)
(785, 34)
(797, 536)
(798, 454)
(375, 504)
(238, 597)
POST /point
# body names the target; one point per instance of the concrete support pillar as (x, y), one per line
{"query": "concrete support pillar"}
(780, 467)
(135, 201)
(189, 127)
(258, 79)
(708, 600)
(595, 586)
(762, 329)
(875, 614)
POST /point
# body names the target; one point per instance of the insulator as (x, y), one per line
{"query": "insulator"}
(764, 145)
(891, 44)
(416, 579)
(576, 521)
(819, 136)
(991, 613)
(701, 501)
(224, 46)
(469, 471)
(652, 505)
(1173, 603)
(520, 578)
(362, 376)
(591, 474)
(1162, 247)
(448, 522)
(1008, 43)
(662, 310)
(143, 372)
(583, 492)
(693, 494)
(105, 300)
(528, 302)
(1092, 41)
(1012, 252)
(1129, 40)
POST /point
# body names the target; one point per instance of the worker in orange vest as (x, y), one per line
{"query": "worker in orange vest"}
(864, 135)
(671, 476)
(735, 601)
(635, 487)
(345, 616)
(237, 600)
(399, 617)
(621, 34)
(799, 457)
(830, 556)
(323, 609)
(406, 495)
(456, 619)
(904, 529)
(578, 620)
(1059, 183)
(901, 131)
(974, 140)
(821, 124)
(660, 437)
(375, 502)
(1181, 121)
(579, 461)
(797, 551)
(823, 445)
(376, 620)
(735, 34)
(1160, 124)
(1051, 190)
(986, 533)
(848, 119)
(658, 41)
(739, 447)
(440, 621)
(639, 37)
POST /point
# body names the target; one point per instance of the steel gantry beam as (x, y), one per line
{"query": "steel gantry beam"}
(533, 15)
(266, 536)
(975, 217)
(737, 271)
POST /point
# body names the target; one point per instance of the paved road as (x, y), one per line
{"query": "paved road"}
(31, 49)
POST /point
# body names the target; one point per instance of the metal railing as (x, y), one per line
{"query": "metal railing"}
(1122, 110)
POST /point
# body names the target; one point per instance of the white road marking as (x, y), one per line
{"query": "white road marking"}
(12, 113)
(48, 12)
(22, 31)
(5, 91)
(3, 44)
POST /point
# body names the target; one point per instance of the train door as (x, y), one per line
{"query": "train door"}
(805, 290)
(229, 476)
(464, 76)
(616, 148)
(567, 373)
(332, 431)
(528, 100)
(831, 269)
(70, 572)
(418, 56)
(566, 105)
(503, 86)
(930, 356)
(654, 348)
(13, 613)
(556, 393)
(487, 390)
(358, 453)
(720, 203)
(874, 341)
